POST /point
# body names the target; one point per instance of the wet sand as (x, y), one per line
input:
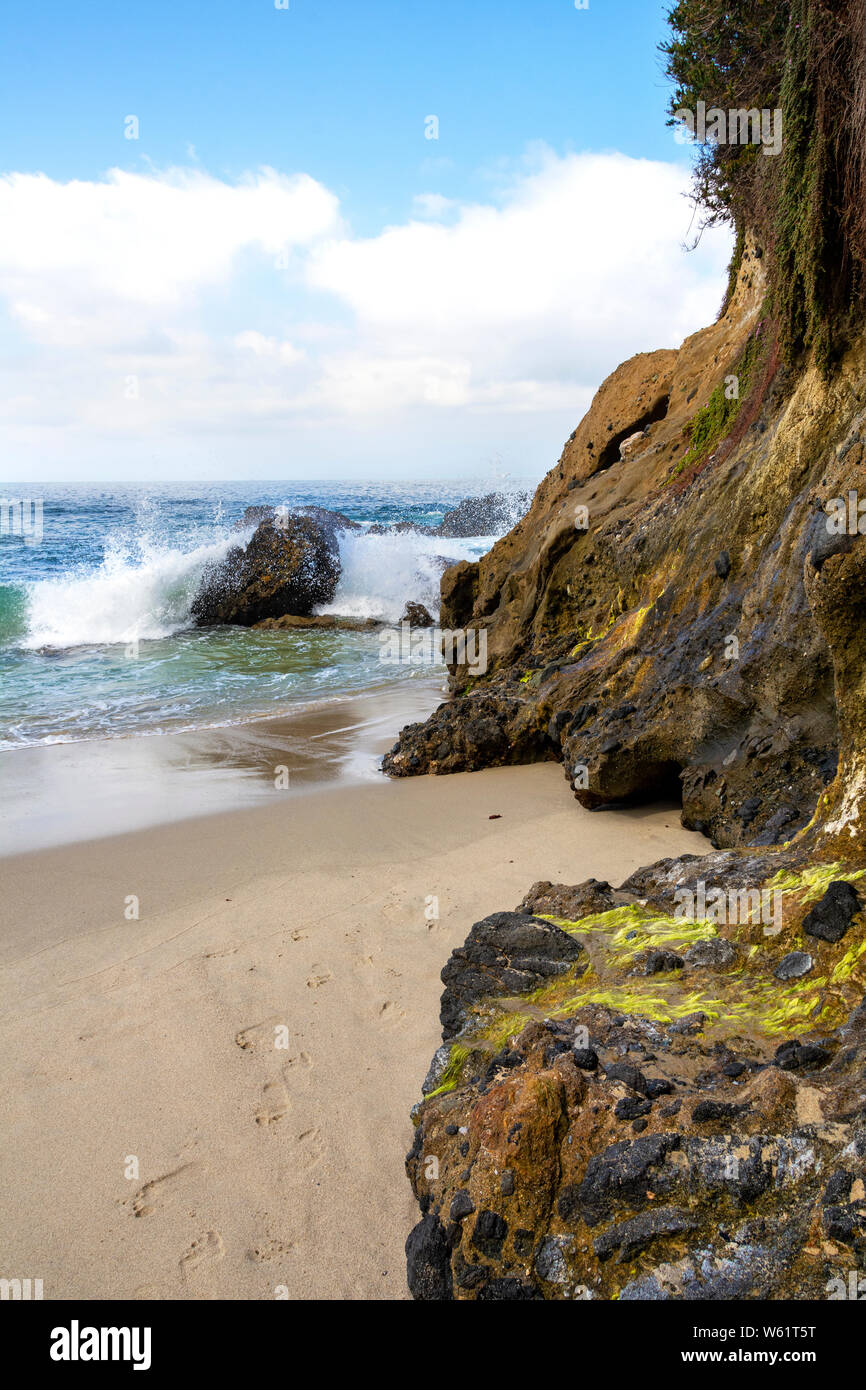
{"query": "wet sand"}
(60, 793)
(212, 1031)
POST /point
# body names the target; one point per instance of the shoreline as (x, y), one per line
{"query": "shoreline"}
(142, 780)
(152, 1039)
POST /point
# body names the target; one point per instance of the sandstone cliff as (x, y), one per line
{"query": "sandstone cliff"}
(667, 619)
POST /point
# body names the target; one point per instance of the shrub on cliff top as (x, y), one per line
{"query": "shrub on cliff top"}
(808, 206)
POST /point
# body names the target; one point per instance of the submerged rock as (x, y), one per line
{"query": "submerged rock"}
(417, 615)
(292, 622)
(716, 954)
(484, 516)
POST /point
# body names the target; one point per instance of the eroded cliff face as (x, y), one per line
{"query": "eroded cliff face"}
(666, 619)
(657, 1090)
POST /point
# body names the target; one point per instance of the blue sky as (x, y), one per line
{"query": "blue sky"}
(295, 140)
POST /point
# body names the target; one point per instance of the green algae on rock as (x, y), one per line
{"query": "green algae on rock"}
(702, 1163)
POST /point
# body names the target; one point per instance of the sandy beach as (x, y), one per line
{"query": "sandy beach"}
(211, 1099)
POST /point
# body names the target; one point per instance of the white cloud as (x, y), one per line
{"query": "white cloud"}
(433, 205)
(260, 346)
(79, 259)
(582, 261)
(250, 306)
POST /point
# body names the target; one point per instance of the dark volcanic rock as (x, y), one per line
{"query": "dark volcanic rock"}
(657, 962)
(794, 965)
(416, 615)
(507, 953)
(628, 1075)
(484, 516)
(715, 954)
(569, 904)
(489, 1233)
(466, 734)
(631, 1108)
(629, 1237)
(796, 1056)
(586, 1058)
(623, 1172)
(832, 917)
(714, 1110)
(508, 1290)
(428, 1262)
(461, 1205)
(289, 565)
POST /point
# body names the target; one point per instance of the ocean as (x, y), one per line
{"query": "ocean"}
(96, 639)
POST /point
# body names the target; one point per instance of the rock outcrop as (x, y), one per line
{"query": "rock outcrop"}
(698, 1131)
(675, 1107)
(325, 621)
(483, 516)
(680, 1112)
(679, 622)
(490, 515)
(290, 564)
(416, 615)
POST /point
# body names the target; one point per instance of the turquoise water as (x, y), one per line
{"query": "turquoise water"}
(95, 635)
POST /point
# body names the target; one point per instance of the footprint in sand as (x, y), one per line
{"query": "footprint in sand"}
(307, 1150)
(206, 1250)
(395, 907)
(319, 977)
(270, 1249)
(275, 1103)
(160, 1191)
(259, 1035)
(303, 1059)
(389, 1014)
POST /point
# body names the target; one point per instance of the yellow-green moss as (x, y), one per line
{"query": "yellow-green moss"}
(848, 964)
(453, 1072)
(812, 884)
(732, 1000)
(653, 930)
(715, 420)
